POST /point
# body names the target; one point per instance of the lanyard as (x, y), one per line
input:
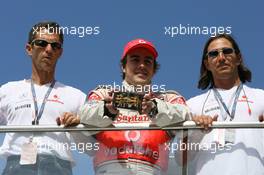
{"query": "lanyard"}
(218, 96)
(38, 113)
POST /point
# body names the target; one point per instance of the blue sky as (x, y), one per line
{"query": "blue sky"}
(94, 59)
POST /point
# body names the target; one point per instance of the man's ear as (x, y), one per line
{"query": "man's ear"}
(123, 69)
(29, 49)
(61, 51)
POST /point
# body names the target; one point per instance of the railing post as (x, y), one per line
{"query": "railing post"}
(185, 152)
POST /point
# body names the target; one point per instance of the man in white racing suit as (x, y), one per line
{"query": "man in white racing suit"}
(134, 151)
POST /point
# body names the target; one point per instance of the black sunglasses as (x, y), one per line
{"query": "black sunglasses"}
(43, 43)
(215, 53)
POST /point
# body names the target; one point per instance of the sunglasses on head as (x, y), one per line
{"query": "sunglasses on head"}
(43, 43)
(216, 52)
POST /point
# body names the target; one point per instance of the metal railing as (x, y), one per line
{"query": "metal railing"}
(185, 126)
(81, 127)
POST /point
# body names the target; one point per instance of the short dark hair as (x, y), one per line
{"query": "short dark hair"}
(124, 61)
(50, 25)
(206, 77)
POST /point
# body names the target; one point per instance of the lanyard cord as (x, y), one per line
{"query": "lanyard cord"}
(208, 94)
(218, 96)
(38, 113)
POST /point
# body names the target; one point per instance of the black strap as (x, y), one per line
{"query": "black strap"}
(218, 96)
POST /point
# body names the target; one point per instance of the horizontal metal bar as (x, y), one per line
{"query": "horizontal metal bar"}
(80, 127)
(54, 128)
(241, 125)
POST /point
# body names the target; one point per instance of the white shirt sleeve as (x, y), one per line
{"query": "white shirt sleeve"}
(92, 112)
(171, 110)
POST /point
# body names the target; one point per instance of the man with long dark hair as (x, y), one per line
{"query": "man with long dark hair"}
(228, 99)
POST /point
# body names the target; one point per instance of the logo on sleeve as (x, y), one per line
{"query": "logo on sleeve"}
(94, 96)
(178, 100)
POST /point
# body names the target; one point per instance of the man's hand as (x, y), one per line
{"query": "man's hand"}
(205, 121)
(109, 104)
(68, 119)
(147, 103)
(261, 118)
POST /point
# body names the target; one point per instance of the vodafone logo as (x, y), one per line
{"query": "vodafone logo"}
(132, 135)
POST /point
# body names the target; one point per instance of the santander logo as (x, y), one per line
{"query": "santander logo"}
(133, 119)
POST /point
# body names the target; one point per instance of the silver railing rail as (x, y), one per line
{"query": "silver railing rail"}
(81, 127)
